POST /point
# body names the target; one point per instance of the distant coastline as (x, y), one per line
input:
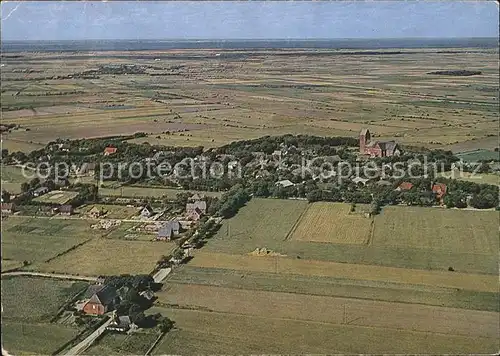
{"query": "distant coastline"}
(144, 45)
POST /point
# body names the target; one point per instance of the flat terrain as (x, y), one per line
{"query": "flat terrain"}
(390, 292)
(134, 192)
(217, 333)
(12, 177)
(273, 224)
(477, 282)
(28, 304)
(109, 257)
(474, 232)
(331, 222)
(261, 223)
(39, 239)
(120, 344)
(110, 211)
(190, 97)
(479, 178)
(35, 299)
(56, 197)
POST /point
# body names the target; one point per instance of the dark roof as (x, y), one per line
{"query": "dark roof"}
(66, 208)
(105, 296)
(169, 228)
(91, 290)
(200, 205)
(41, 189)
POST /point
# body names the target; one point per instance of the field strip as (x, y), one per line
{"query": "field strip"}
(334, 310)
(468, 281)
(297, 223)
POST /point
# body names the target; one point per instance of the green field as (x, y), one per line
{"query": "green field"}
(267, 222)
(38, 239)
(56, 197)
(28, 305)
(35, 299)
(337, 287)
(139, 192)
(473, 232)
(478, 155)
(120, 344)
(479, 178)
(111, 211)
(34, 339)
(261, 223)
(102, 256)
(222, 333)
(12, 177)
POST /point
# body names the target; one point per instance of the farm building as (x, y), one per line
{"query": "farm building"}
(121, 323)
(169, 230)
(8, 208)
(146, 211)
(101, 301)
(40, 191)
(66, 209)
(110, 151)
(376, 148)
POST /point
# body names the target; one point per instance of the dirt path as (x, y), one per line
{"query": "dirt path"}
(51, 275)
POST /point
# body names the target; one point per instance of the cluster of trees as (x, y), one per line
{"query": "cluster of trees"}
(463, 193)
(268, 144)
(231, 201)
(130, 302)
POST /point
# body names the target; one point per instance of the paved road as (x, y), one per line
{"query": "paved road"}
(51, 275)
(85, 344)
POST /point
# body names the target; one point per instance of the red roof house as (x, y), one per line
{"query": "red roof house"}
(110, 150)
(440, 190)
(404, 186)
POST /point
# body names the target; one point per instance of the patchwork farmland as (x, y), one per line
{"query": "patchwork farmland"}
(370, 294)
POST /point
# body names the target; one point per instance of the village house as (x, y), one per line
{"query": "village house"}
(440, 190)
(8, 208)
(121, 323)
(146, 211)
(196, 210)
(169, 230)
(66, 209)
(40, 191)
(110, 151)
(376, 148)
(96, 212)
(102, 299)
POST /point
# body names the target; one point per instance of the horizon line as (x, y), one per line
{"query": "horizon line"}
(251, 39)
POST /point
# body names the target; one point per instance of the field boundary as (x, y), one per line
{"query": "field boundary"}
(68, 250)
(297, 223)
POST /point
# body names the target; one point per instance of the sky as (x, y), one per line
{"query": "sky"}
(77, 20)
